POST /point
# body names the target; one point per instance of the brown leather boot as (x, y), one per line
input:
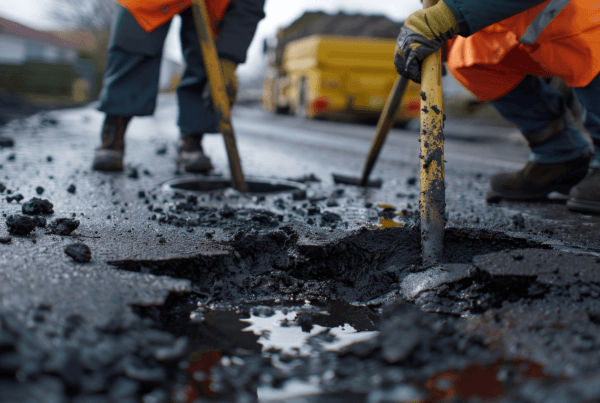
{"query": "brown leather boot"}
(585, 197)
(536, 181)
(109, 157)
(191, 156)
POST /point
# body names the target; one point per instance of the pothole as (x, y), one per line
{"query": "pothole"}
(212, 184)
(269, 319)
(298, 262)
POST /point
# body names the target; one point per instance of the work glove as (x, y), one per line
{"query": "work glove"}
(423, 32)
(231, 82)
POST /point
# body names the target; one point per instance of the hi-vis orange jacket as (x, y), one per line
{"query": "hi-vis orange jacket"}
(151, 14)
(559, 38)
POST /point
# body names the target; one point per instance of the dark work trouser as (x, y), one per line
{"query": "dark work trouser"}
(533, 105)
(132, 73)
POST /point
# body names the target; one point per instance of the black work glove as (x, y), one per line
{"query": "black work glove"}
(423, 33)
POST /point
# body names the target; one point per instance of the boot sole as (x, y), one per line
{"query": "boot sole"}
(108, 167)
(584, 206)
(494, 196)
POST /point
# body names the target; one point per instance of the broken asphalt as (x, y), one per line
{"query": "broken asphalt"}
(515, 303)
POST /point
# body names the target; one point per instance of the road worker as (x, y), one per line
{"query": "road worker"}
(501, 51)
(132, 72)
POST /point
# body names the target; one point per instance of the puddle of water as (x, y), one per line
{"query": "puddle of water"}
(274, 332)
(282, 332)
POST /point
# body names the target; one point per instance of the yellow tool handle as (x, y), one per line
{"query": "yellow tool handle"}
(385, 123)
(433, 193)
(217, 89)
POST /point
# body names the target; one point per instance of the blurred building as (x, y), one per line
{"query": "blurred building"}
(20, 44)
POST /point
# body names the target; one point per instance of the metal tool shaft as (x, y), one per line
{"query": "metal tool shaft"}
(385, 123)
(433, 193)
(218, 93)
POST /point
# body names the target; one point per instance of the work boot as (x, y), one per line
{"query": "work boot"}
(585, 197)
(191, 156)
(109, 157)
(536, 180)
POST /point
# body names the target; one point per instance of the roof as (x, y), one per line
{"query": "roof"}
(21, 30)
(341, 24)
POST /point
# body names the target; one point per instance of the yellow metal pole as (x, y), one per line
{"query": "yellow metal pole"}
(217, 89)
(433, 193)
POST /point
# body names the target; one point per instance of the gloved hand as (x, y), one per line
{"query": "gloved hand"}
(423, 33)
(231, 82)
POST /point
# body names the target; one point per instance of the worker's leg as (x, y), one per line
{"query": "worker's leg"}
(196, 114)
(132, 68)
(559, 152)
(539, 111)
(130, 84)
(586, 195)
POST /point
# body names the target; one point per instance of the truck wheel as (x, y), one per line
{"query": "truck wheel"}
(302, 99)
(282, 110)
(401, 124)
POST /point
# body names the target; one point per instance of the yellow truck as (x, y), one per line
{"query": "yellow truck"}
(329, 76)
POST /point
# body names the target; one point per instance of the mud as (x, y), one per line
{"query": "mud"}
(79, 252)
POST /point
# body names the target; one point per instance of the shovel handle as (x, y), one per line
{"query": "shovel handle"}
(433, 192)
(385, 123)
(217, 90)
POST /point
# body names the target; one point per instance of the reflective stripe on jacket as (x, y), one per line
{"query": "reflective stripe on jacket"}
(558, 38)
(151, 14)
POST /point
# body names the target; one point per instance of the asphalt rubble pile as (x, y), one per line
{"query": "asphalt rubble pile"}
(122, 362)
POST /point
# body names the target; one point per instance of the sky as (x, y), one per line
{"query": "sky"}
(280, 13)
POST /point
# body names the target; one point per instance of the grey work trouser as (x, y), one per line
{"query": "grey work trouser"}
(132, 73)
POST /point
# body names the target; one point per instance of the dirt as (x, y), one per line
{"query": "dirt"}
(79, 252)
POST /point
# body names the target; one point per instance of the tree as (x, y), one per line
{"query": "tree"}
(92, 15)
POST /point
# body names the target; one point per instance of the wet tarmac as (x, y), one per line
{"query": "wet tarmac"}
(310, 295)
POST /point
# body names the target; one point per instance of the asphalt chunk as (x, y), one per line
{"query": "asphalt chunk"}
(5, 239)
(40, 221)
(63, 226)
(329, 217)
(79, 252)
(72, 189)
(18, 197)
(20, 225)
(133, 174)
(37, 206)
(39, 190)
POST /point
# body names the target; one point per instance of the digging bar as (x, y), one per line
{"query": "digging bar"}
(217, 90)
(385, 123)
(433, 193)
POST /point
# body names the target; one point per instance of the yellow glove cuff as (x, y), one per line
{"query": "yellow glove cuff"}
(434, 21)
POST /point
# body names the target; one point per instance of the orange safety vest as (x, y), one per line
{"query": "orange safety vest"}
(558, 38)
(151, 14)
